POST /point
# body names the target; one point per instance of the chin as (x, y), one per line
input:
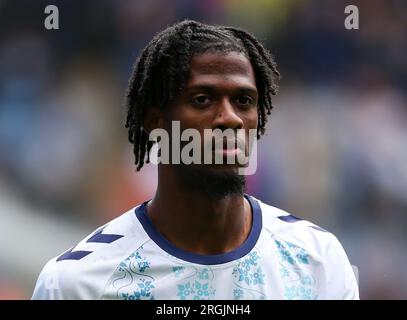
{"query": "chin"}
(217, 168)
(217, 181)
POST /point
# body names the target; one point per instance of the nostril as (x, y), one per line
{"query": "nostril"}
(221, 127)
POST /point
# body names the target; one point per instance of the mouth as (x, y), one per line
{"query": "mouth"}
(230, 148)
(230, 152)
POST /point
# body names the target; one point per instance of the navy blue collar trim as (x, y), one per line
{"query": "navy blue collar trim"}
(242, 250)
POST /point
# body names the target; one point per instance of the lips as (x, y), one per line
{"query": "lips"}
(227, 144)
(229, 147)
(230, 152)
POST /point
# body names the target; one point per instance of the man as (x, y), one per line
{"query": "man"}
(201, 237)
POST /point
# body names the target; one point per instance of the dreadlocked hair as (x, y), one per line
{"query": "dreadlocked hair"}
(161, 70)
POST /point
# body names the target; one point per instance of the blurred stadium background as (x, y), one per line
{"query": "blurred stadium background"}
(335, 150)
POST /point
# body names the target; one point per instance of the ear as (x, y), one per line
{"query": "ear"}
(153, 119)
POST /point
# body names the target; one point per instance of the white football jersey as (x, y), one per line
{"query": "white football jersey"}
(283, 257)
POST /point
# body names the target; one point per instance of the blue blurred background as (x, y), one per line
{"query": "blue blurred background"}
(335, 151)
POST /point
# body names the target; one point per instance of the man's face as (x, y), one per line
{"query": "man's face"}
(220, 93)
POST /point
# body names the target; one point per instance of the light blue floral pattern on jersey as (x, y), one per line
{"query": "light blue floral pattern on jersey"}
(135, 262)
(134, 278)
(298, 281)
(178, 271)
(238, 294)
(142, 263)
(249, 271)
(299, 293)
(131, 280)
(248, 277)
(143, 292)
(291, 253)
(198, 288)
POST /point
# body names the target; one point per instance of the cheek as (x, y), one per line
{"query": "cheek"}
(251, 119)
(192, 118)
(188, 118)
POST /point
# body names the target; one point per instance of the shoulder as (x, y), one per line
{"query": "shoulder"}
(297, 231)
(82, 271)
(299, 235)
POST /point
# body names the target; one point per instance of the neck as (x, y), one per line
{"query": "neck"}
(196, 221)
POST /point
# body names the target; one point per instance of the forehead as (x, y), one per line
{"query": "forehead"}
(212, 65)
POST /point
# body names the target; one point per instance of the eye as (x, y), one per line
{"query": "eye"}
(245, 100)
(201, 99)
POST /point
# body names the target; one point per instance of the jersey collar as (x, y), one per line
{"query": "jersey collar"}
(239, 252)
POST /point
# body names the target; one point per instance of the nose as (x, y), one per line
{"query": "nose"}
(226, 116)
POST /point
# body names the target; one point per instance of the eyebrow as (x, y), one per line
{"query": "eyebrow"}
(210, 88)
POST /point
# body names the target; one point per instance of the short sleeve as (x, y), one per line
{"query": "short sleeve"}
(48, 284)
(341, 283)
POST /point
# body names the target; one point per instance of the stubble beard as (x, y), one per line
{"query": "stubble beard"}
(216, 184)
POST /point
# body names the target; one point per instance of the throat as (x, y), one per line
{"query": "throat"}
(201, 226)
